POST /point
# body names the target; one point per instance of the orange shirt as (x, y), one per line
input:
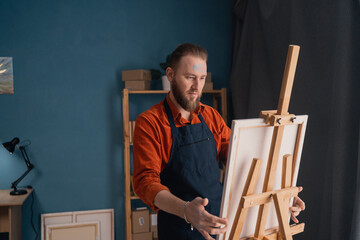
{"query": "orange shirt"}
(153, 141)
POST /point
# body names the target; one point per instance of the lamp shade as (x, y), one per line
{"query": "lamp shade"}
(10, 146)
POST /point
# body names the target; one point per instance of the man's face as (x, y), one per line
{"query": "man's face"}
(188, 80)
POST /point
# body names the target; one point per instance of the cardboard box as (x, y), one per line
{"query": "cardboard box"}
(136, 75)
(140, 221)
(208, 77)
(153, 222)
(208, 86)
(142, 236)
(137, 85)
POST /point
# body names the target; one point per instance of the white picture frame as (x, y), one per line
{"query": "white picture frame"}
(73, 231)
(105, 217)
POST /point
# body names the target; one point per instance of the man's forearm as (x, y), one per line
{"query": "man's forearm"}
(168, 202)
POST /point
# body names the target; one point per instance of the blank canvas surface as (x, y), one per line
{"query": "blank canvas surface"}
(251, 138)
(76, 231)
(106, 221)
(105, 218)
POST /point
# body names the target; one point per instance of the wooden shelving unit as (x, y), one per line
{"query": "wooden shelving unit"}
(217, 94)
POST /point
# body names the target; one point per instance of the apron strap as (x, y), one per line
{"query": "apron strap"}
(201, 118)
(169, 114)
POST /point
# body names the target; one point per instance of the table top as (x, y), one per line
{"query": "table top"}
(12, 200)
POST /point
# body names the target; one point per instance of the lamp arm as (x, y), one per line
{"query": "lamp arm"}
(25, 156)
(16, 182)
(29, 165)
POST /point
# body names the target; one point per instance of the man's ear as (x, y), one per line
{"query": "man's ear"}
(170, 74)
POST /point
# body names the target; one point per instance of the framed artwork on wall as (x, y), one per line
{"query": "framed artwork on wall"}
(6, 75)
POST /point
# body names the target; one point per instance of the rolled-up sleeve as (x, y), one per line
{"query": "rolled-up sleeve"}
(147, 160)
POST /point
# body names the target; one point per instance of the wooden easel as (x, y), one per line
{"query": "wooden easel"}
(281, 198)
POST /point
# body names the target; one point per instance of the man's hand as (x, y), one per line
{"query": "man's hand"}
(203, 221)
(298, 206)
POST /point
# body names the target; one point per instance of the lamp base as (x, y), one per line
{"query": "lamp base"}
(18, 192)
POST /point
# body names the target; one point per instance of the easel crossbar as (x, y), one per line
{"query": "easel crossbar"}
(273, 233)
(266, 197)
(274, 119)
(295, 229)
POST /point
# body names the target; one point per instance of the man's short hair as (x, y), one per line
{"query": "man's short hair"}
(184, 50)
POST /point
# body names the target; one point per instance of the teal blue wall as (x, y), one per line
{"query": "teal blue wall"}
(67, 58)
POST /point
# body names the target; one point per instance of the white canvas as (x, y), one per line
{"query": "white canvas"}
(251, 138)
(104, 217)
(53, 219)
(73, 231)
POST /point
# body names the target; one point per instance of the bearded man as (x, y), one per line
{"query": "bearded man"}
(176, 148)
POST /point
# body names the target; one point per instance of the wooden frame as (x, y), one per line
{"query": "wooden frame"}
(73, 231)
(250, 139)
(105, 217)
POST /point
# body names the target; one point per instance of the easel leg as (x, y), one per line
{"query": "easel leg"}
(281, 203)
(249, 188)
(269, 179)
(262, 216)
(282, 212)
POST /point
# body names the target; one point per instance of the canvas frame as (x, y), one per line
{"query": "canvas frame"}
(73, 231)
(105, 217)
(251, 138)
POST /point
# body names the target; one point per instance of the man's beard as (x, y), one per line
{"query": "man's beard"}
(189, 106)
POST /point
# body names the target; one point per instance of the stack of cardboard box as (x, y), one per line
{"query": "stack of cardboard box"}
(144, 224)
(137, 79)
(208, 84)
(141, 224)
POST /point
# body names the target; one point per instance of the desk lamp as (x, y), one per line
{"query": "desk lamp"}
(10, 146)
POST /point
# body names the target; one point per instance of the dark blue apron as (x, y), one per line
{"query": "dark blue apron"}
(191, 172)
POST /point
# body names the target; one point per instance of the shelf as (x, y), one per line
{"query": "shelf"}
(134, 197)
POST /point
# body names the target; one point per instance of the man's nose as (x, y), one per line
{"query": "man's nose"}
(195, 84)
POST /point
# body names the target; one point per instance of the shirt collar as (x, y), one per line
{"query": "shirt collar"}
(176, 113)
